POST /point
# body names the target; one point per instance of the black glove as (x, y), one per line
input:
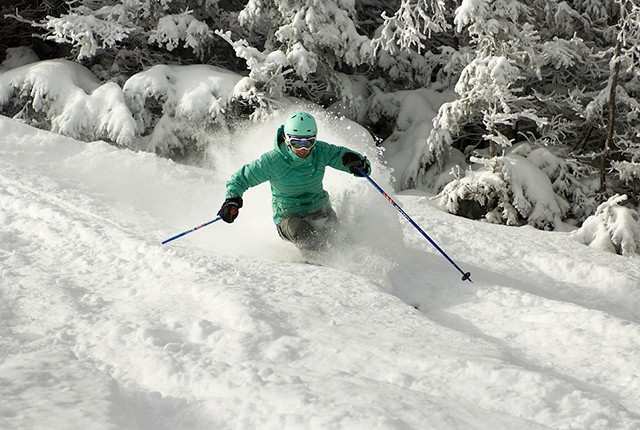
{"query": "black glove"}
(229, 210)
(353, 161)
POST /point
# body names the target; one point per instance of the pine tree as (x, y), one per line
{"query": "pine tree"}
(613, 227)
(303, 46)
(125, 36)
(491, 87)
(623, 99)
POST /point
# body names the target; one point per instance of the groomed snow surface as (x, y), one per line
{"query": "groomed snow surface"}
(102, 327)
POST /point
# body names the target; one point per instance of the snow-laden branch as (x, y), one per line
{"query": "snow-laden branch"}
(70, 99)
(613, 228)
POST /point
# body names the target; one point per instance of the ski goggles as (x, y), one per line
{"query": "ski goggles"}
(300, 142)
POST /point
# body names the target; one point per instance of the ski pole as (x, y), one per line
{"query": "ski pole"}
(465, 276)
(193, 229)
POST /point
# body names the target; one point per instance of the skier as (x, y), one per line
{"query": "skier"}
(295, 168)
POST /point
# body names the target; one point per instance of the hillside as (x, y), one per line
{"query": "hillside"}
(102, 327)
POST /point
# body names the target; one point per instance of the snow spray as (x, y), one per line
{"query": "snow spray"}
(466, 276)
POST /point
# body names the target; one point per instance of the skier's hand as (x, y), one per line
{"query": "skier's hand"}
(230, 208)
(354, 162)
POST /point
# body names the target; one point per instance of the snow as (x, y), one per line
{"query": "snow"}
(156, 110)
(17, 57)
(512, 187)
(103, 327)
(172, 29)
(71, 98)
(613, 227)
(413, 112)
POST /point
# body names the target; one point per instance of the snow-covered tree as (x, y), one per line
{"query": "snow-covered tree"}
(125, 36)
(509, 190)
(491, 87)
(169, 110)
(416, 48)
(412, 45)
(622, 96)
(408, 114)
(519, 85)
(176, 107)
(496, 104)
(304, 44)
(65, 97)
(412, 25)
(417, 45)
(613, 228)
(16, 30)
(573, 181)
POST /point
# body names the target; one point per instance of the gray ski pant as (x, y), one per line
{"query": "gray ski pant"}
(309, 231)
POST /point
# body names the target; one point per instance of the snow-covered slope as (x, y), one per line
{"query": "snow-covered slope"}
(102, 327)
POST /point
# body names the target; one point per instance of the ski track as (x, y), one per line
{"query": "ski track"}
(560, 340)
(180, 338)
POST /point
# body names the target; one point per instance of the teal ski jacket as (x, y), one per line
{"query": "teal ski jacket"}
(296, 183)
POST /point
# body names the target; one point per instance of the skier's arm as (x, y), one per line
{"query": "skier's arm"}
(248, 176)
(337, 155)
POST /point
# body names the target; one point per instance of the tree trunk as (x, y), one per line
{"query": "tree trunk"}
(612, 118)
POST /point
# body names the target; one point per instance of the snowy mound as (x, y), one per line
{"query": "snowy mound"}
(75, 103)
(163, 109)
(613, 227)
